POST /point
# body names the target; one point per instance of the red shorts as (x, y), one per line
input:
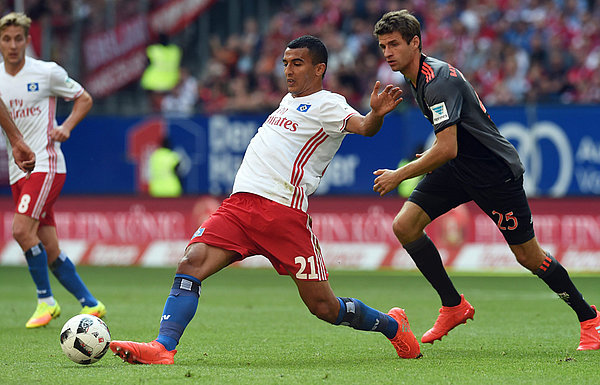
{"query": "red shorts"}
(35, 196)
(252, 225)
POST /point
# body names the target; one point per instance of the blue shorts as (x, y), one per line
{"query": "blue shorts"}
(506, 203)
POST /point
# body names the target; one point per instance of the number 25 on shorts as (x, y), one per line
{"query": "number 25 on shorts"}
(506, 221)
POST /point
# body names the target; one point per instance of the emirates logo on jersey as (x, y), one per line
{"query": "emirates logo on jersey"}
(277, 119)
(18, 109)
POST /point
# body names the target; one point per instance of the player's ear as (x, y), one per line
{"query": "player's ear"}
(416, 42)
(320, 69)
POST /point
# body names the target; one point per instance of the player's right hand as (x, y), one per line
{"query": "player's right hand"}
(23, 156)
(386, 181)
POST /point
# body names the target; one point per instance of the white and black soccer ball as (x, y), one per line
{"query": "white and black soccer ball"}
(85, 339)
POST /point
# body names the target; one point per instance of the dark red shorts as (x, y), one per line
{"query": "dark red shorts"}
(35, 196)
(252, 225)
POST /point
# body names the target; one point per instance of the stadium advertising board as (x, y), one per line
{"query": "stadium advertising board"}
(560, 148)
(355, 232)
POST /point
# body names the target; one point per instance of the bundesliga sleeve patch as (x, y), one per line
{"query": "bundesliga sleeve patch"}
(440, 113)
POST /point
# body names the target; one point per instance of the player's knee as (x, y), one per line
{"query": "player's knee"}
(404, 230)
(21, 234)
(324, 311)
(192, 259)
(529, 255)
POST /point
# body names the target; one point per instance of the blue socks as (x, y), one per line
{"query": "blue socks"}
(179, 310)
(64, 270)
(183, 300)
(359, 316)
(37, 261)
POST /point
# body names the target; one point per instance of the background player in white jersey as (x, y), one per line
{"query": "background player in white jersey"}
(23, 156)
(266, 213)
(29, 88)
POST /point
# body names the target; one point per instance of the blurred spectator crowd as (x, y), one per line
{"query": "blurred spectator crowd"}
(512, 51)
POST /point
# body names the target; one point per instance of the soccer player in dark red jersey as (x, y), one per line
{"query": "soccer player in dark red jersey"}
(469, 161)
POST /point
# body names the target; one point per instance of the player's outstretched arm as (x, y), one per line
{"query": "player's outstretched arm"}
(381, 103)
(22, 154)
(81, 106)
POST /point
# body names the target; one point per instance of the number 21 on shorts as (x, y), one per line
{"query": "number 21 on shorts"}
(304, 264)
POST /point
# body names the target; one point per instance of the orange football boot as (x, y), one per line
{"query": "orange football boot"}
(404, 341)
(449, 318)
(590, 333)
(143, 353)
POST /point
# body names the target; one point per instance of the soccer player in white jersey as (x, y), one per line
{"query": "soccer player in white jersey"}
(29, 88)
(266, 213)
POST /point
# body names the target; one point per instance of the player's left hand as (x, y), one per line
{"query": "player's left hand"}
(24, 157)
(386, 100)
(387, 181)
(60, 134)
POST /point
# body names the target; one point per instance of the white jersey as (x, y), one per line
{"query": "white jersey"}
(30, 96)
(289, 154)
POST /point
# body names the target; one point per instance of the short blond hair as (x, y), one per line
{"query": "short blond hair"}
(17, 19)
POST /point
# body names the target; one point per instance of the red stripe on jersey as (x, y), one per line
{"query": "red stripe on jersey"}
(52, 161)
(298, 172)
(307, 157)
(346, 121)
(52, 158)
(302, 158)
(298, 196)
(428, 72)
(452, 71)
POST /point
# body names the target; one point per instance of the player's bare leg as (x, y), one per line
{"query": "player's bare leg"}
(322, 302)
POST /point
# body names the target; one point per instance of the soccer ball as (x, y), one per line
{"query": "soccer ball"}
(85, 339)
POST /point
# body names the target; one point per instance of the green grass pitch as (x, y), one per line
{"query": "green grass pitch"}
(252, 328)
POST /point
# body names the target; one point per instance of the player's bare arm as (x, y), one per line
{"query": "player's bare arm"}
(443, 149)
(81, 107)
(23, 156)
(381, 104)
